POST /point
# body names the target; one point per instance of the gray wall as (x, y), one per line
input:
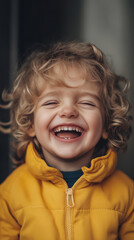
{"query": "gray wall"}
(109, 24)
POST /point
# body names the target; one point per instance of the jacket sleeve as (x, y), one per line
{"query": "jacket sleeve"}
(9, 228)
(126, 231)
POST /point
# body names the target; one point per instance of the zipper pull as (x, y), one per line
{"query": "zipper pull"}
(70, 198)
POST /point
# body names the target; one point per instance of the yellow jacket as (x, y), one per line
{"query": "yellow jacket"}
(36, 204)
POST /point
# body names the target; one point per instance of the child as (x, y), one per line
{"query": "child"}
(69, 118)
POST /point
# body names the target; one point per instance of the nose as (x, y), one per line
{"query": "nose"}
(68, 112)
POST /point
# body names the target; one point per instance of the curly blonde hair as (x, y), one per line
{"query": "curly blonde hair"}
(39, 65)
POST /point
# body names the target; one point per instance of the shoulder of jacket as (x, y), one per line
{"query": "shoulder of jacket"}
(121, 178)
(12, 182)
(120, 186)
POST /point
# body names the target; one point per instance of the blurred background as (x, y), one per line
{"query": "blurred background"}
(26, 24)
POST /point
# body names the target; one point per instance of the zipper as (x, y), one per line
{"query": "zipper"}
(69, 207)
(70, 198)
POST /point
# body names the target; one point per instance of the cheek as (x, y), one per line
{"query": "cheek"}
(96, 122)
(42, 121)
(39, 122)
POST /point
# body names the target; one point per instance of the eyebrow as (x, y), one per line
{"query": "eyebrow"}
(49, 94)
(82, 94)
(91, 95)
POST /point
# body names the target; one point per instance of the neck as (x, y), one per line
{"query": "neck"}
(68, 164)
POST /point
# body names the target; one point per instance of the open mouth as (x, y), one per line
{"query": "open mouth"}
(68, 132)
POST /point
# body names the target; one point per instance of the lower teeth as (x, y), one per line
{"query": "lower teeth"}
(67, 138)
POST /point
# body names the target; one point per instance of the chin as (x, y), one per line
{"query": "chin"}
(69, 157)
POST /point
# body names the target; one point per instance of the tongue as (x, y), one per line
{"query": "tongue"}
(67, 135)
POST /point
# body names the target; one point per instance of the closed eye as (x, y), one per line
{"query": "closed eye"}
(50, 103)
(88, 104)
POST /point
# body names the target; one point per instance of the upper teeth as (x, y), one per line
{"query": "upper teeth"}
(66, 128)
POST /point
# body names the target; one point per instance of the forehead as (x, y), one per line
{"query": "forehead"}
(70, 80)
(71, 74)
(66, 74)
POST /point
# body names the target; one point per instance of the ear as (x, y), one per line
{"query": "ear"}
(31, 131)
(105, 135)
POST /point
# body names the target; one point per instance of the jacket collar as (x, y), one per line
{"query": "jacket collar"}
(101, 167)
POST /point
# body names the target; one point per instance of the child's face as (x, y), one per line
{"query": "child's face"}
(68, 121)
